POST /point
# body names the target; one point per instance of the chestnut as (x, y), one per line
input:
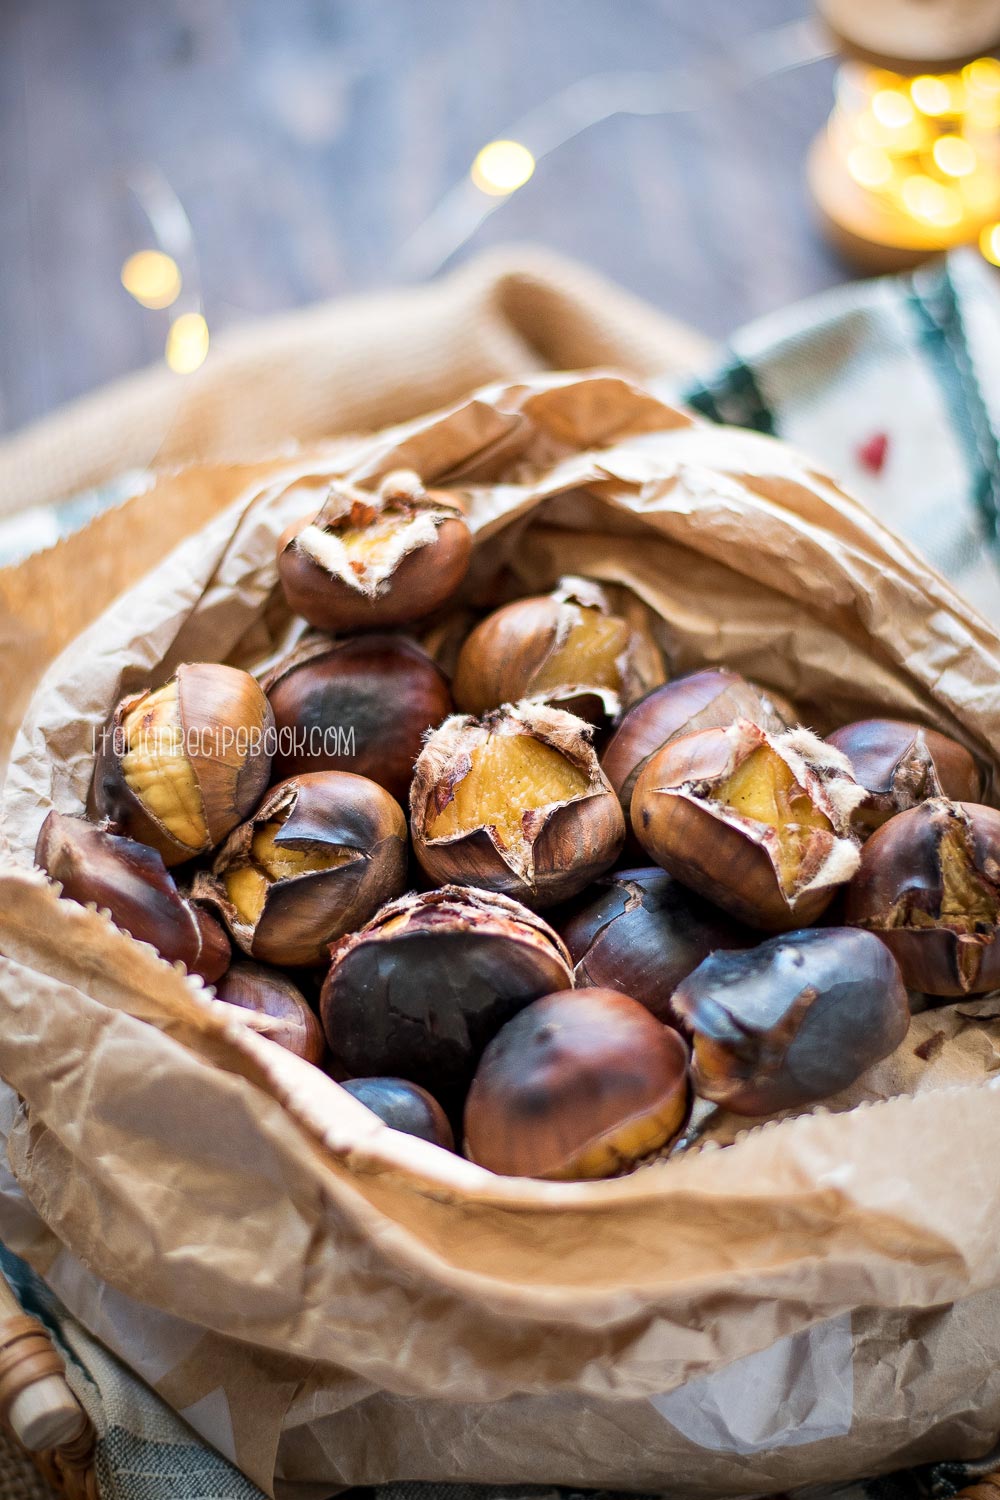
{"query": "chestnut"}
(578, 1085)
(366, 561)
(360, 704)
(319, 856)
(641, 933)
(420, 990)
(180, 765)
(794, 1020)
(279, 1009)
(566, 648)
(404, 1106)
(900, 765)
(758, 823)
(703, 700)
(130, 880)
(514, 802)
(929, 886)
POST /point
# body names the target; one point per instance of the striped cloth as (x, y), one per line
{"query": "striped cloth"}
(894, 385)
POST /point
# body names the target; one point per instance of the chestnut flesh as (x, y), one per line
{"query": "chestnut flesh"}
(278, 1006)
(578, 1085)
(929, 886)
(900, 764)
(404, 1106)
(792, 1021)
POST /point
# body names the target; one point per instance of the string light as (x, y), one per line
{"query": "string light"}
(892, 109)
(187, 343)
(152, 278)
(989, 243)
(932, 96)
(954, 156)
(870, 166)
(501, 167)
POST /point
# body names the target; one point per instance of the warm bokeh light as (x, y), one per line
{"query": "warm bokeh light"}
(982, 77)
(892, 109)
(870, 166)
(954, 156)
(187, 343)
(989, 243)
(931, 202)
(502, 167)
(152, 278)
(931, 95)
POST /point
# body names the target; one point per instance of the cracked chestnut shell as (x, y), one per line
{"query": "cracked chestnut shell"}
(320, 855)
(794, 1020)
(279, 1009)
(929, 886)
(579, 1085)
(361, 704)
(404, 1106)
(758, 823)
(900, 765)
(642, 932)
(365, 561)
(514, 802)
(567, 649)
(180, 765)
(711, 699)
(130, 880)
(420, 990)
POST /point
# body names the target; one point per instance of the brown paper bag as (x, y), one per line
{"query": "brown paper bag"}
(393, 1311)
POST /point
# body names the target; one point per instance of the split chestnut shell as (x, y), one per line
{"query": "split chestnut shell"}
(901, 765)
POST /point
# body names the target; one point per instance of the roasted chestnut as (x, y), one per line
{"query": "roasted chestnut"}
(131, 882)
(900, 765)
(180, 765)
(365, 561)
(404, 1106)
(643, 932)
(319, 856)
(758, 823)
(360, 704)
(929, 886)
(566, 648)
(704, 700)
(578, 1085)
(279, 1009)
(420, 990)
(794, 1020)
(514, 802)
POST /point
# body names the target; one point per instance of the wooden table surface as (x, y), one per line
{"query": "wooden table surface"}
(309, 140)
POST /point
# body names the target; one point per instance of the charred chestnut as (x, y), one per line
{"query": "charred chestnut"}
(642, 933)
(566, 648)
(404, 1106)
(131, 881)
(929, 886)
(319, 856)
(180, 765)
(420, 990)
(900, 765)
(279, 1009)
(578, 1085)
(760, 824)
(514, 802)
(792, 1021)
(366, 561)
(361, 704)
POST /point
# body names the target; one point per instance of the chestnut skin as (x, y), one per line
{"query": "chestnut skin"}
(272, 996)
(927, 886)
(792, 1021)
(130, 880)
(641, 932)
(578, 1085)
(404, 1106)
(901, 764)
(383, 692)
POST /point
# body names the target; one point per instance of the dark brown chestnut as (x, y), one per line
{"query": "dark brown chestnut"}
(900, 765)
(929, 886)
(404, 1106)
(642, 932)
(514, 802)
(360, 704)
(703, 700)
(131, 881)
(320, 855)
(792, 1021)
(367, 561)
(579, 1085)
(279, 1009)
(420, 990)
(758, 823)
